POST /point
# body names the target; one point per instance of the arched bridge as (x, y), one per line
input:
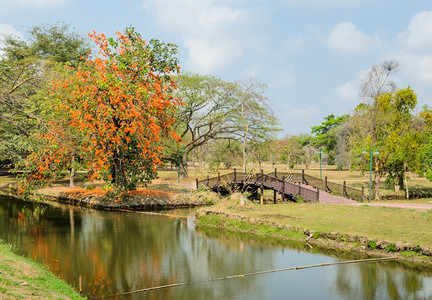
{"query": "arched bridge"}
(290, 185)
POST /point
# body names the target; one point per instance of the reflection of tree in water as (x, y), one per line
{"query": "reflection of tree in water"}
(119, 252)
(368, 281)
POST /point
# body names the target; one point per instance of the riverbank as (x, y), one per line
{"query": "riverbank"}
(21, 278)
(374, 231)
(157, 197)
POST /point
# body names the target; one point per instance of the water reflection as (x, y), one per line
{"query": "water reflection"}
(372, 282)
(120, 252)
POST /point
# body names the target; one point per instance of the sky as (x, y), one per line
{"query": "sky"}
(311, 54)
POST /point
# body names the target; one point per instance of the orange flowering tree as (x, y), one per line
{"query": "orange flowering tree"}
(120, 105)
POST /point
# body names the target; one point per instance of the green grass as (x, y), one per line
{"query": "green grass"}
(24, 279)
(238, 225)
(376, 223)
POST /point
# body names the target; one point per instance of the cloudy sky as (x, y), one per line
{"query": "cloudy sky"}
(310, 53)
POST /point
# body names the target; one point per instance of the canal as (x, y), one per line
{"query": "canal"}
(117, 252)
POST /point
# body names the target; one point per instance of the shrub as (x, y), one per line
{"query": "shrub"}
(391, 247)
(372, 245)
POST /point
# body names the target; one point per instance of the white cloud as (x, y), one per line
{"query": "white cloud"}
(347, 92)
(6, 29)
(414, 53)
(327, 2)
(41, 3)
(206, 56)
(294, 44)
(346, 37)
(417, 66)
(193, 16)
(206, 28)
(419, 32)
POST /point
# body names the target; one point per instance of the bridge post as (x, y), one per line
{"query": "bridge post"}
(362, 197)
(261, 194)
(283, 188)
(303, 177)
(208, 180)
(235, 177)
(344, 188)
(218, 183)
(325, 185)
(275, 172)
(262, 175)
(196, 181)
(274, 197)
(317, 196)
(298, 194)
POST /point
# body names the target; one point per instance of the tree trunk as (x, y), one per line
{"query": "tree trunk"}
(406, 180)
(72, 172)
(183, 169)
(71, 177)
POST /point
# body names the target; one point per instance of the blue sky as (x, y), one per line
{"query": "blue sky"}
(310, 53)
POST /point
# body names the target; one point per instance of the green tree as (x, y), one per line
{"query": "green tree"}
(393, 130)
(226, 152)
(207, 114)
(401, 135)
(27, 68)
(256, 122)
(291, 150)
(58, 43)
(218, 110)
(367, 124)
(425, 155)
(325, 135)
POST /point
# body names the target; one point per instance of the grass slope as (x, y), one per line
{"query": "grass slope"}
(21, 278)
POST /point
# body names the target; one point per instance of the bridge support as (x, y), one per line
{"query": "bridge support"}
(261, 194)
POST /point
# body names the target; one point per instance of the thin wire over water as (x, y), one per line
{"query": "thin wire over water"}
(248, 274)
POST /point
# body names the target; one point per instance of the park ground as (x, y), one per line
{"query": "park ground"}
(408, 228)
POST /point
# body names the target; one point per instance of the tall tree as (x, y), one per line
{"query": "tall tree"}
(325, 135)
(366, 120)
(27, 68)
(120, 103)
(401, 138)
(58, 43)
(290, 150)
(207, 114)
(215, 109)
(256, 121)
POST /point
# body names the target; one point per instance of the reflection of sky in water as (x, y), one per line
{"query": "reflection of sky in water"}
(120, 252)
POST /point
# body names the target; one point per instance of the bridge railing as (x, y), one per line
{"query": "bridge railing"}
(286, 187)
(292, 180)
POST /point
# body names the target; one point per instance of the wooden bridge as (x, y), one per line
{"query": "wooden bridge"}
(291, 186)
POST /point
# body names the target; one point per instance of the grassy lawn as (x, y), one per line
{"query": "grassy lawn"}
(378, 223)
(23, 279)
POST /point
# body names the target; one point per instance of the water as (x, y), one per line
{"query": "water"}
(120, 252)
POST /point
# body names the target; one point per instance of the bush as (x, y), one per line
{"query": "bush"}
(391, 247)
(372, 245)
